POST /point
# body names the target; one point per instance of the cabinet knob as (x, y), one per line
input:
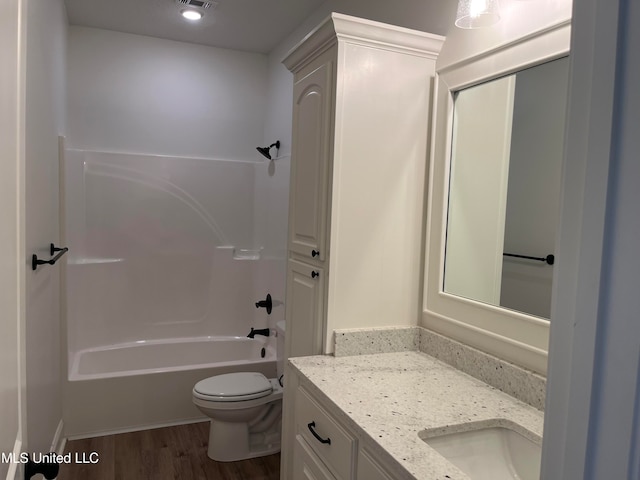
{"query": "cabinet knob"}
(315, 253)
(315, 274)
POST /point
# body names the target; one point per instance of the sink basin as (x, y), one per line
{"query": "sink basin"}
(490, 453)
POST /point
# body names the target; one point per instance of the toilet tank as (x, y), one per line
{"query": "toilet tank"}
(280, 347)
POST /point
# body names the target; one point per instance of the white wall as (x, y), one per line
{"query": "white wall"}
(613, 449)
(136, 94)
(11, 261)
(432, 17)
(518, 19)
(44, 122)
(272, 193)
(592, 421)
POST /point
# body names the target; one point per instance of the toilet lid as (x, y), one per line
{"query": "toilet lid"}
(234, 386)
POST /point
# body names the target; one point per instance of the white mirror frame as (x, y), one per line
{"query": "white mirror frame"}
(514, 336)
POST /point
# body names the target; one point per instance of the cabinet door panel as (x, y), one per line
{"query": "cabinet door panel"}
(304, 316)
(310, 160)
(368, 468)
(306, 465)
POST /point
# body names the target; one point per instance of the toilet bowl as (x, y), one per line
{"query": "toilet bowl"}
(245, 409)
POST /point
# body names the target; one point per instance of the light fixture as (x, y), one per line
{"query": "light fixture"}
(192, 15)
(266, 151)
(477, 13)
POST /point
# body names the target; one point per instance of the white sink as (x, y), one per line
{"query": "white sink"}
(490, 453)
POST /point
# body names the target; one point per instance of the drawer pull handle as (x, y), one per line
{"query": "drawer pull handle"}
(314, 274)
(315, 253)
(315, 434)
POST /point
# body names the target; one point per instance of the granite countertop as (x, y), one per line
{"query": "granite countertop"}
(388, 399)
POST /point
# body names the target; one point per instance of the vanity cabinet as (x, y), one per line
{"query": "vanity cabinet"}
(307, 465)
(323, 448)
(361, 109)
(334, 445)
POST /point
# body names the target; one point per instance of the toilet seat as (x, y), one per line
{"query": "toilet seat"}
(233, 387)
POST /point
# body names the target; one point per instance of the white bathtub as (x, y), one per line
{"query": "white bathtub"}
(160, 356)
(148, 384)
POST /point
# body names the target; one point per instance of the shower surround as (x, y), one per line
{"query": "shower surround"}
(161, 278)
(176, 225)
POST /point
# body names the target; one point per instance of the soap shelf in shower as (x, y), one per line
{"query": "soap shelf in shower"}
(246, 254)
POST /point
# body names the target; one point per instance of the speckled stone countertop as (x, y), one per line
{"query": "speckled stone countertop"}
(391, 400)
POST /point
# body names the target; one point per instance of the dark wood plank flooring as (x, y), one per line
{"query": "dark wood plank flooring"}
(172, 453)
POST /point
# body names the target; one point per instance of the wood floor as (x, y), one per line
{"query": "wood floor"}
(172, 453)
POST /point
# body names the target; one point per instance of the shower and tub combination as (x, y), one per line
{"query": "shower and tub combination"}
(162, 283)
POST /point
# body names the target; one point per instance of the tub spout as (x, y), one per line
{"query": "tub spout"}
(260, 331)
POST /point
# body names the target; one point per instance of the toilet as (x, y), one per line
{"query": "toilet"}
(245, 409)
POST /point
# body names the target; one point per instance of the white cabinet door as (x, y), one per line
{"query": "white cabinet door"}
(311, 150)
(368, 468)
(306, 465)
(304, 316)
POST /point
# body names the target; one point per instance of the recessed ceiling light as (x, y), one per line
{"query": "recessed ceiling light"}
(191, 14)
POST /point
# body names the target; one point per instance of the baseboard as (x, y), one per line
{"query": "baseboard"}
(16, 470)
(137, 428)
(59, 441)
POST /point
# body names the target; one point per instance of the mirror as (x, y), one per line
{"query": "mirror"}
(508, 333)
(504, 188)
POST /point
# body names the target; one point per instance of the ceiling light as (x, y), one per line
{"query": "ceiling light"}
(477, 13)
(191, 14)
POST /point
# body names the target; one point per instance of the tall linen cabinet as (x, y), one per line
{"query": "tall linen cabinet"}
(361, 128)
(361, 125)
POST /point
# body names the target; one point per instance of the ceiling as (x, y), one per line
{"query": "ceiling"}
(248, 25)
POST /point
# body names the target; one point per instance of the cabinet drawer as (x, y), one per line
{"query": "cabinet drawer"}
(331, 442)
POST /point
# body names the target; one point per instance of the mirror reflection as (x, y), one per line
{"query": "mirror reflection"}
(504, 188)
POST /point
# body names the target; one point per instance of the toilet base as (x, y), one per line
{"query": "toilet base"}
(243, 429)
(230, 442)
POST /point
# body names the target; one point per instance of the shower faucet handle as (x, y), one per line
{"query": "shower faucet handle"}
(265, 304)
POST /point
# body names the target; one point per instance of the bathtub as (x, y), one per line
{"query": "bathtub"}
(147, 384)
(161, 356)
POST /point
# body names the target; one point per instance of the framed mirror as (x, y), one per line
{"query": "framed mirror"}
(504, 188)
(482, 192)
